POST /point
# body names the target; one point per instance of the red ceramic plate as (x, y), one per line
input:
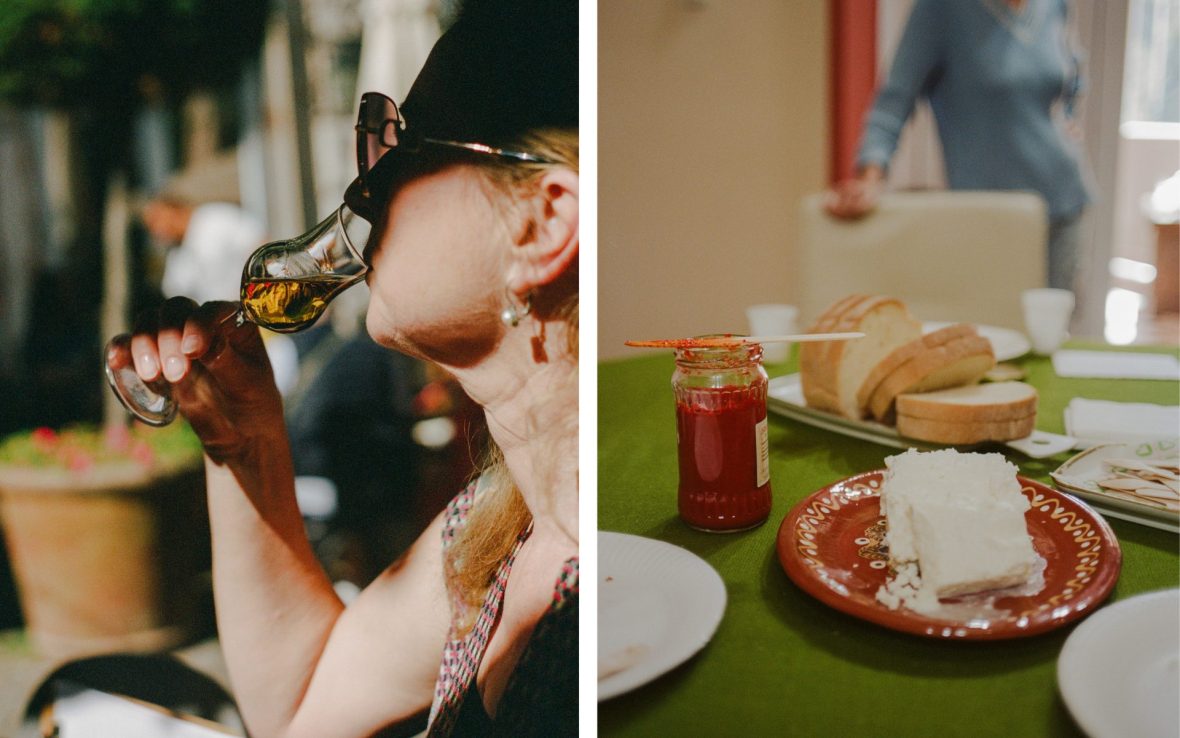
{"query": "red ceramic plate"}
(830, 546)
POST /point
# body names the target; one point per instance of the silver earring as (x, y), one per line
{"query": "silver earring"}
(512, 315)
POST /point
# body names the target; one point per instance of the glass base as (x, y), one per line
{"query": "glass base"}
(725, 530)
(149, 402)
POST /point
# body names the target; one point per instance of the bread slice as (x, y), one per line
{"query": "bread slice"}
(1000, 411)
(975, 403)
(958, 433)
(813, 357)
(904, 353)
(832, 372)
(957, 362)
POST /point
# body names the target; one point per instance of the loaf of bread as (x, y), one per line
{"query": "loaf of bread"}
(925, 384)
(956, 362)
(1000, 411)
(832, 372)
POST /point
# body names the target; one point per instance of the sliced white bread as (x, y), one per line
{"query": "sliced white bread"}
(957, 362)
(950, 432)
(1000, 411)
(904, 353)
(814, 375)
(834, 371)
(975, 403)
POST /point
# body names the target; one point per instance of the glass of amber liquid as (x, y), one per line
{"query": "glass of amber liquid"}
(721, 433)
(286, 286)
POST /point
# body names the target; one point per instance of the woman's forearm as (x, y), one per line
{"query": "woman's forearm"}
(919, 54)
(275, 605)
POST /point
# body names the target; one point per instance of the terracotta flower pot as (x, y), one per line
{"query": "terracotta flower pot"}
(114, 559)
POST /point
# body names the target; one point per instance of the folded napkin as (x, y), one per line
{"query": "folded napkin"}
(1102, 420)
(1115, 365)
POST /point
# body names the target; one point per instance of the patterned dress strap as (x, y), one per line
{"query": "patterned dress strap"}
(463, 655)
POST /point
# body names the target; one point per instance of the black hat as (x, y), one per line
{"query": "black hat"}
(504, 68)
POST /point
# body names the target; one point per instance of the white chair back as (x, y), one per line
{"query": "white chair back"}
(950, 256)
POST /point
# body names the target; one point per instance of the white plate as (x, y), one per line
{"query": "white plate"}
(1079, 476)
(785, 397)
(658, 604)
(1118, 671)
(1006, 343)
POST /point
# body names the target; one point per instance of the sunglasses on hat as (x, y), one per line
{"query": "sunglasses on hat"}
(380, 129)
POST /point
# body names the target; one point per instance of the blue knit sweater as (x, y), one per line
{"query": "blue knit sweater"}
(1000, 82)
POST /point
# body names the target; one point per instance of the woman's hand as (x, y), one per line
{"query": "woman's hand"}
(220, 374)
(857, 197)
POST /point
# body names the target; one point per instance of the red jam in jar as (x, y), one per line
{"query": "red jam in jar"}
(721, 433)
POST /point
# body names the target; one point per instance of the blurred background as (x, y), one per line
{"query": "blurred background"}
(148, 146)
(720, 121)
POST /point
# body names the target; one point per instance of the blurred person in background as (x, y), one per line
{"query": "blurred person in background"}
(207, 237)
(207, 234)
(1003, 83)
(473, 195)
(362, 442)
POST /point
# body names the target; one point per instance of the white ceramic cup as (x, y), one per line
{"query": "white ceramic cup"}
(773, 319)
(1047, 312)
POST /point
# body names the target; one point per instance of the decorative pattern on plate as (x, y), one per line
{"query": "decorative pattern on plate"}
(830, 546)
(872, 545)
(1088, 542)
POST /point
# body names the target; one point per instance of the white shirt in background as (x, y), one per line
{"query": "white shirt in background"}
(208, 263)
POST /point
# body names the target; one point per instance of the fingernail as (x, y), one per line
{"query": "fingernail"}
(173, 368)
(148, 365)
(189, 345)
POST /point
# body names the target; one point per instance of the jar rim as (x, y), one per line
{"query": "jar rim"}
(741, 352)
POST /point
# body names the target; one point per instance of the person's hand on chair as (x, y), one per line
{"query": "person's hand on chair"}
(855, 198)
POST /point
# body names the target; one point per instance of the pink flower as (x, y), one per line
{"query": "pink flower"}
(44, 439)
(117, 438)
(142, 453)
(78, 460)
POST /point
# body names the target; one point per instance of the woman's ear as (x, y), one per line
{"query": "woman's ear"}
(551, 245)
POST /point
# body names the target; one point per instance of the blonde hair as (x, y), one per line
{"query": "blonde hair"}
(496, 522)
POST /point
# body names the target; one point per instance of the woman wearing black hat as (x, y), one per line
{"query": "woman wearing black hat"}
(472, 189)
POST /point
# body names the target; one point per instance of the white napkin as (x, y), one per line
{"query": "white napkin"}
(1101, 420)
(1115, 365)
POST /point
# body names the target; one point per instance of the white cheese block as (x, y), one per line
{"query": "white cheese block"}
(967, 548)
(960, 518)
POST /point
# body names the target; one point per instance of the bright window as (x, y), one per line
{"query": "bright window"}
(1151, 86)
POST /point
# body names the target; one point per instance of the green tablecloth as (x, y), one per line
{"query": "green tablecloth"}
(782, 663)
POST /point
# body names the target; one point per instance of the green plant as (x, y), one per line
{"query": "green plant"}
(102, 52)
(81, 448)
(98, 63)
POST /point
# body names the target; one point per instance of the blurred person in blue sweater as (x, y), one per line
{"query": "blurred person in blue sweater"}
(1002, 82)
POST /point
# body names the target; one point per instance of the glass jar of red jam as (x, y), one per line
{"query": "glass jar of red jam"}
(721, 437)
